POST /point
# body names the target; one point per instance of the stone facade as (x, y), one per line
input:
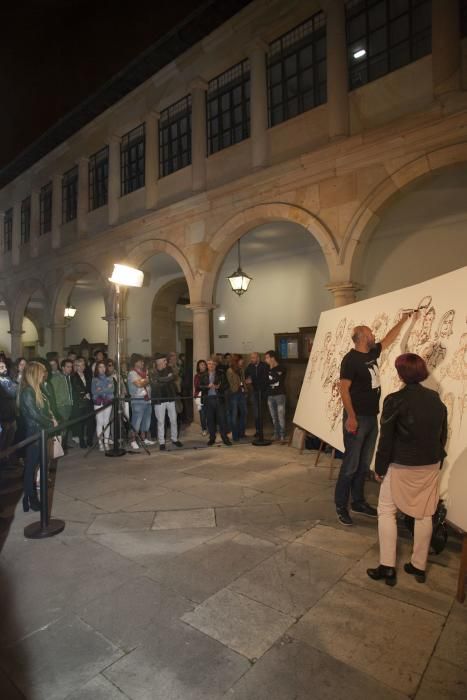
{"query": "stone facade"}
(333, 170)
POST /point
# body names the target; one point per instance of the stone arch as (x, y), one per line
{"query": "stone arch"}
(24, 293)
(368, 216)
(63, 289)
(163, 321)
(250, 218)
(137, 255)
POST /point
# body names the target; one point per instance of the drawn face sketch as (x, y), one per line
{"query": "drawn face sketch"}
(340, 331)
(380, 325)
(445, 325)
(426, 326)
(331, 375)
(457, 369)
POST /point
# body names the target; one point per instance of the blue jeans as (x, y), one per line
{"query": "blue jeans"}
(141, 416)
(238, 414)
(356, 463)
(276, 405)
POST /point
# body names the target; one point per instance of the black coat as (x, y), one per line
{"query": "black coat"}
(8, 389)
(220, 379)
(79, 391)
(34, 418)
(258, 375)
(414, 429)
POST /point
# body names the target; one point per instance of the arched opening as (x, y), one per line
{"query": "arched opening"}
(31, 316)
(420, 234)
(157, 320)
(87, 330)
(5, 336)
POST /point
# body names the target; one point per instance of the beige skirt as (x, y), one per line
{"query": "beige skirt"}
(415, 490)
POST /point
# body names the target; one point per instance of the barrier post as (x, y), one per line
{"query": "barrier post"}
(117, 449)
(46, 527)
(260, 441)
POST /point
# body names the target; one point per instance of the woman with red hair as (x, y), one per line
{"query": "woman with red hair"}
(410, 451)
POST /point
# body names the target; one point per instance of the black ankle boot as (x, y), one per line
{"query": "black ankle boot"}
(25, 504)
(388, 573)
(34, 503)
(419, 574)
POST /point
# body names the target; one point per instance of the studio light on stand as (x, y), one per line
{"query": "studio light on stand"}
(239, 280)
(122, 276)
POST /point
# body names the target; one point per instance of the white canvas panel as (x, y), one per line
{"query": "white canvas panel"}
(438, 333)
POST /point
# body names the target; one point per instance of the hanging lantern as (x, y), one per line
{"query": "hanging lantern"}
(70, 310)
(239, 280)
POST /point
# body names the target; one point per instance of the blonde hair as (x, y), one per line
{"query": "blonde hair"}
(33, 376)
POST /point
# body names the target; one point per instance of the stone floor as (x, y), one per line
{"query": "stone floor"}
(215, 573)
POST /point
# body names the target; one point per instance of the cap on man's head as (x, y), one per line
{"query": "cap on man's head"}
(160, 356)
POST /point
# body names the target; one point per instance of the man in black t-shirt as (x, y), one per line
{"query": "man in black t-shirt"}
(360, 391)
(276, 395)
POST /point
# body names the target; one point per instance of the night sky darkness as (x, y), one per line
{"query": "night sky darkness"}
(54, 53)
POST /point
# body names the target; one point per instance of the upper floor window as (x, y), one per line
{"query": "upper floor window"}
(132, 156)
(228, 107)
(45, 209)
(384, 35)
(70, 195)
(8, 230)
(99, 178)
(25, 220)
(463, 17)
(297, 70)
(175, 137)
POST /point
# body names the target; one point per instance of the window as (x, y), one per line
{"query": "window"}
(70, 195)
(384, 35)
(175, 137)
(45, 209)
(463, 17)
(132, 149)
(8, 230)
(25, 220)
(98, 178)
(297, 70)
(228, 107)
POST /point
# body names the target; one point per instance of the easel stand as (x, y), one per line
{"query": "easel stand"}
(299, 435)
(322, 447)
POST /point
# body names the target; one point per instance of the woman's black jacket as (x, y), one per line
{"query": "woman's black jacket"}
(413, 430)
(34, 417)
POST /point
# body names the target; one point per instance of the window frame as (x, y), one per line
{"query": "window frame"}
(8, 230)
(222, 130)
(288, 46)
(70, 195)
(172, 155)
(366, 64)
(45, 208)
(129, 154)
(25, 235)
(98, 179)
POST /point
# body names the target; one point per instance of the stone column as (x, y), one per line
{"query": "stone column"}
(258, 104)
(57, 211)
(111, 336)
(83, 197)
(337, 71)
(16, 343)
(114, 179)
(57, 331)
(152, 159)
(344, 292)
(446, 47)
(201, 339)
(198, 135)
(16, 234)
(35, 223)
(2, 240)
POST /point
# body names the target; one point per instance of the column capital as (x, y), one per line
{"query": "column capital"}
(344, 292)
(200, 307)
(153, 113)
(58, 326)
(257, 44)
(15, 333)
(198, 83)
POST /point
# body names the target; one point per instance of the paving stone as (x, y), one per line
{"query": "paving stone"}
(175, 519)
(99, 688)
(178, 663)
(435, 595)
(313, 510)
(116, 522)
(123, 499)
(55, 661)
(8, 690)
(358, 627)
(278, 533)
(172, 500)
(125, 614)
(243, 625)
(209, 567)
(443, 681)
(73, 509)
(270, 514)
(220, 494)
(452, 645)
(292, 670)
(292, 580)
(343, 542)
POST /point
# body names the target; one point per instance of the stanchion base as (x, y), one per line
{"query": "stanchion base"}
(261, 442)
(115, 452)
(36, 532)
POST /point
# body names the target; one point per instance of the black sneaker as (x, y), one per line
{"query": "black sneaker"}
(227, 442)
(364, 509)
(162, 448)
(211, 442)
(343, 516)
(178, 444)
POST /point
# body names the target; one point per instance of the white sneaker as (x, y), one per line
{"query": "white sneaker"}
(149, 442)
(204, 433)
(134, 445)
(101, 448)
